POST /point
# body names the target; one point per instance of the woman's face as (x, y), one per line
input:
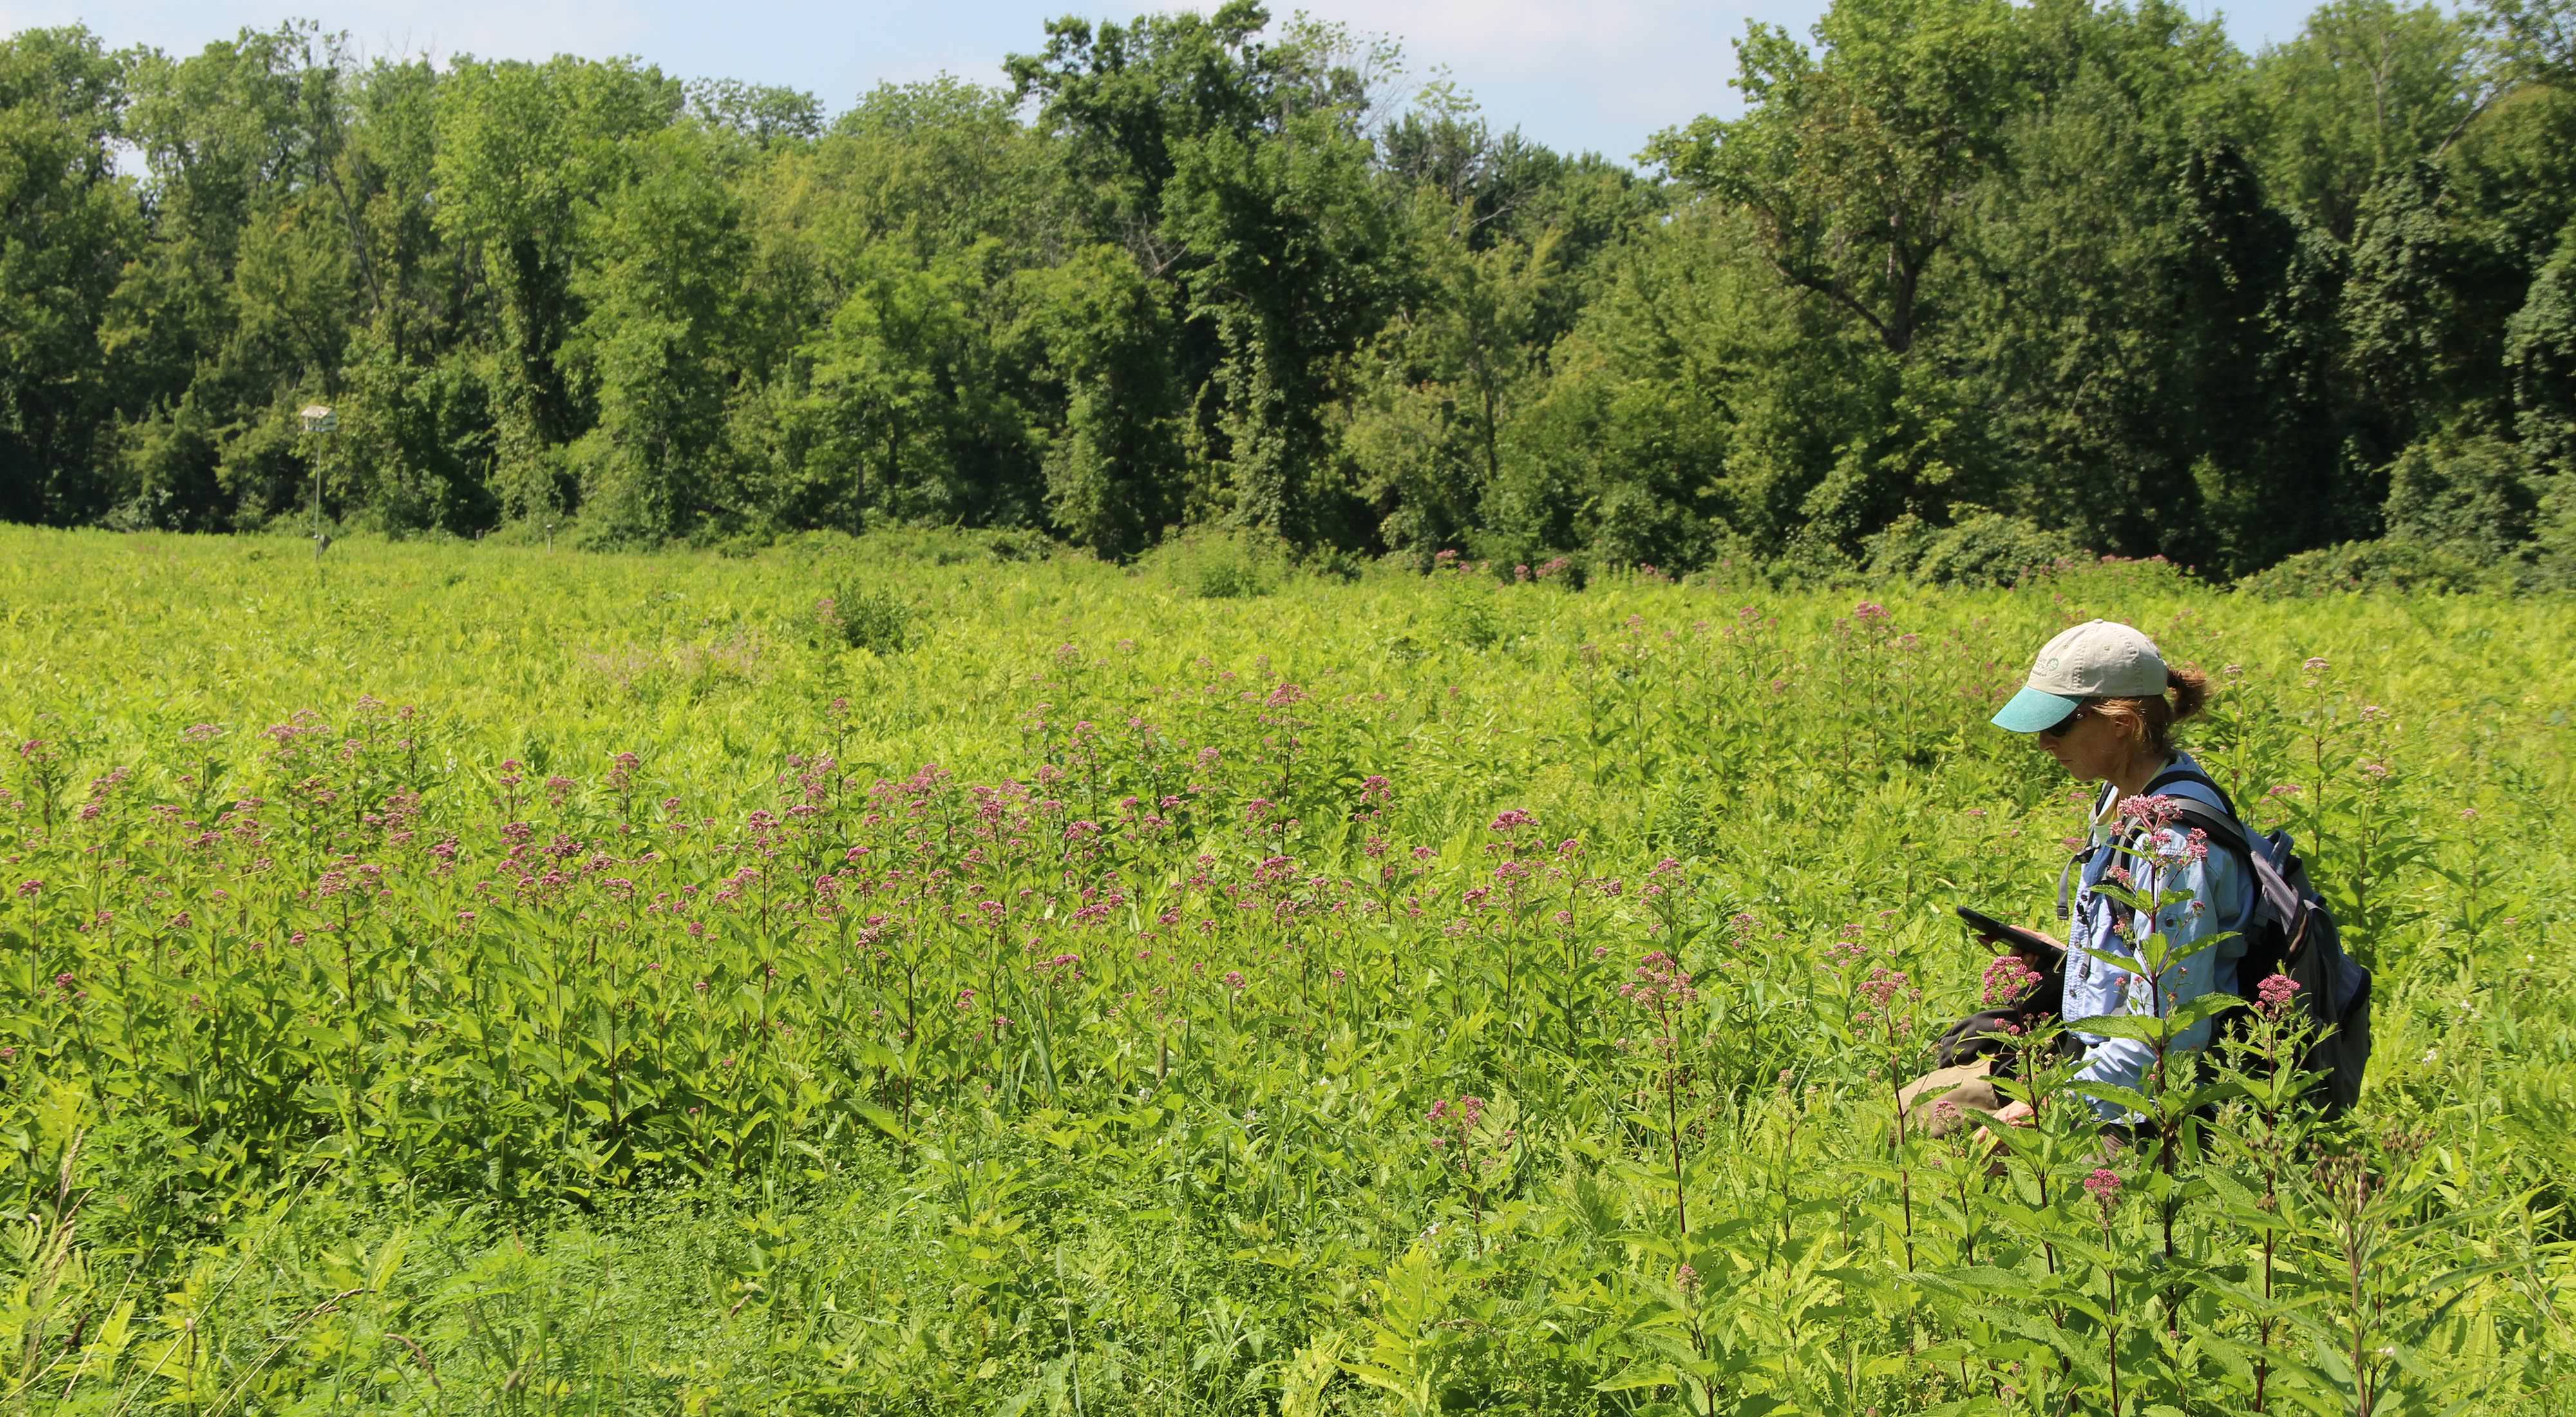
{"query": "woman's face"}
(2086, 745)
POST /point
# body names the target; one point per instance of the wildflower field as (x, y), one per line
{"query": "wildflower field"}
(888, 976)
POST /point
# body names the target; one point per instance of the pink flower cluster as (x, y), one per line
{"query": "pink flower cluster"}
(1461, 1115)
(1660, 983)
(1884, 989)
(2009, 978)
(2151, 813)
(1457, 1120)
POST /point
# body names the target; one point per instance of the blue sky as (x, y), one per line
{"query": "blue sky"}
(1584, 74)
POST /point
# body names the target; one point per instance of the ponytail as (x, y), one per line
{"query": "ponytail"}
(2190, 689)
(2148, 722)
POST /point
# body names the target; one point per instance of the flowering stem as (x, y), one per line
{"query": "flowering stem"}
(2111, 1330)
(1904, 1171)
(1673, 1125)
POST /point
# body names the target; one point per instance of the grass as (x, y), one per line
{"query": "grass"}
(432, 998)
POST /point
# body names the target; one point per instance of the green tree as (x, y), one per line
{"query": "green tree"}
(2540, 349)
(68, 224)
(1437, 387)
(415, 445)
(1239, 169)
(2425, 311)
(522, 149)
(2153, 334)
(2536, 39)
(240, 305)
(1853, 166)
(1699, 402)
(1855, 158)
(663, 256)
(766, 114)
(910, 414)
(2366, 87)
(1114, 467)
(1302, 259)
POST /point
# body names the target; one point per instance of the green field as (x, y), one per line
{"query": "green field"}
(483, 980)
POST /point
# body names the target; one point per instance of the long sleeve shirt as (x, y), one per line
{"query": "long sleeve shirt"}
(2220, 889)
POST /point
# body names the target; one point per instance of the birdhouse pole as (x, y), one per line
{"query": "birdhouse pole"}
(319, 418)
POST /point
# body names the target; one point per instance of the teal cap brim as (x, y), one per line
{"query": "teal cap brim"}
(2032, 710)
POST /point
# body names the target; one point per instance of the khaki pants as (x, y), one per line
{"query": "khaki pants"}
(1944, 1100)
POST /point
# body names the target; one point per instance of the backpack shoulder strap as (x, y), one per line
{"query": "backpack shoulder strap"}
(2078, 860)
(2223, 832)
(2196, 778)
(2216, 820)
(2222, 826)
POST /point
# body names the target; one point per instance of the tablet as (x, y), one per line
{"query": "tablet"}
(2024, 943)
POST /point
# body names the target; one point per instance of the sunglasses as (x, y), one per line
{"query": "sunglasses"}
(2066, 725)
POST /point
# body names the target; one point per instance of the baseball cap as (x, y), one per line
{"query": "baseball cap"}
(2098, 659)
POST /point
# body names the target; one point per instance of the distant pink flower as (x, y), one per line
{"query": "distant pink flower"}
(2275, 993)
(1659, 983)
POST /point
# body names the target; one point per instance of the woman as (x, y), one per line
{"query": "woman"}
(2103, 703)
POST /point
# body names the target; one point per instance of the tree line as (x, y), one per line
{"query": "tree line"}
(1966, 281)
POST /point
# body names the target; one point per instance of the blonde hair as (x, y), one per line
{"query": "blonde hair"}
(2148, 722)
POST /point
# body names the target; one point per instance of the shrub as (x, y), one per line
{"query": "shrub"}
(866, 618)
(1215, 566)
(1468, 617)
(1979, 550)
(931, 545)
(1226, 580)
(2388, 564)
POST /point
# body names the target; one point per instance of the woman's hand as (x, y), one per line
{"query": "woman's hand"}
(2015, 1113)
(2037, 962)
(2014, 947)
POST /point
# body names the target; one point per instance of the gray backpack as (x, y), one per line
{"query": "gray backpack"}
(2287, 930)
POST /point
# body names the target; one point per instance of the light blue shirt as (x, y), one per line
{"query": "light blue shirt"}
(2221, 890)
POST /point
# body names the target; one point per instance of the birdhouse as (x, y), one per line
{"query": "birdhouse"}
(319, 418)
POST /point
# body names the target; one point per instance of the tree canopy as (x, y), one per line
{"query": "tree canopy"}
(2049, 274)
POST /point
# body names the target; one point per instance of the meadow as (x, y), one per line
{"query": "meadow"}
(907, 975)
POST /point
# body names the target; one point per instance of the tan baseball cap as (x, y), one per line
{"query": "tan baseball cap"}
(2099, 659)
